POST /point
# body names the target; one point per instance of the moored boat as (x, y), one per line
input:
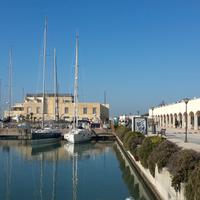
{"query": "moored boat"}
(77, 134)
(45, 134)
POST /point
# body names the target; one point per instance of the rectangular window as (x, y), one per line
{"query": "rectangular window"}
(65, 101)
(66, 110)
(94, 110)
(84, 110)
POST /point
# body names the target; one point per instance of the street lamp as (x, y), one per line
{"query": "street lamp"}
(153, 129)
(186, 100)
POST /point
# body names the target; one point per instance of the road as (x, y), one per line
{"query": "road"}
(179, 138)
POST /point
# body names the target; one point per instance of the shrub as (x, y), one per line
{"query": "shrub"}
(127, 135)
(192, 188)
(181, 165)
(147, 146)
(161, 155)
(134, 142)
(121, 130)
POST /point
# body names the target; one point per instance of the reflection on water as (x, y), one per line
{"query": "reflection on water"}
(135, 184)
(64, 171)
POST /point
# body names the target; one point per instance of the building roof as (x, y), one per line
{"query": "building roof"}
(48, 95)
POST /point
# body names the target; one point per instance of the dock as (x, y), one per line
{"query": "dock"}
(21, 134)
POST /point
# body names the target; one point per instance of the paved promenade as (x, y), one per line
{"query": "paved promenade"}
(178, 136)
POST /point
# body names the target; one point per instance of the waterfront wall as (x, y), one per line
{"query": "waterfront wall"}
(160, 184)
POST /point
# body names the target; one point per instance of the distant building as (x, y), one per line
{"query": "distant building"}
(174, 115)
(32, 107)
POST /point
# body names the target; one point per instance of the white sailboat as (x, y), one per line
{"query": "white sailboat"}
(45, 133)
(77, 134)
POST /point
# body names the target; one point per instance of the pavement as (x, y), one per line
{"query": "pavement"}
(178, 136)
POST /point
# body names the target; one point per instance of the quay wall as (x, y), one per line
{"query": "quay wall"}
(160, 184)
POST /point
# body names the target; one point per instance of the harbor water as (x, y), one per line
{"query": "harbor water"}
(97, 170)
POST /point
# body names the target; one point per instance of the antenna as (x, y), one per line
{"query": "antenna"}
(104, 97)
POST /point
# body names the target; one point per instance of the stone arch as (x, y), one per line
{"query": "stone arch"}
(164, 120)
(197, 116)
(180, 120)
(167, 119)
(185, 118)
(161, 121)
(171, 120)
(175, 120)
(191, 120)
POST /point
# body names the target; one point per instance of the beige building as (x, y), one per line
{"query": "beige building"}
(32, 108)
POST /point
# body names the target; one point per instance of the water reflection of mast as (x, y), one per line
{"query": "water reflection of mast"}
(55, 159)
(74, 175)
(8, 181)
(41, 176)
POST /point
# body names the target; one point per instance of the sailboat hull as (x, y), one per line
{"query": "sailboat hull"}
(78, 136)
(45, 136)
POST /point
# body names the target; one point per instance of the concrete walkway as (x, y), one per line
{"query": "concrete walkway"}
(178, 136)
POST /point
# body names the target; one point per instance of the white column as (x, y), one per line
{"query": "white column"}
(195, 122)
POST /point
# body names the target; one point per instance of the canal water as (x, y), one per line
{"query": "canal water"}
(62, 171)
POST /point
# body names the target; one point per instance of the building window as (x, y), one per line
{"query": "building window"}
(84, 110)
(66, 110)
(38, 111)
(28, 109)
(94, 110)
(65, 101)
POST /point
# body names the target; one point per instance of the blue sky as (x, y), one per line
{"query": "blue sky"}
(140, 52)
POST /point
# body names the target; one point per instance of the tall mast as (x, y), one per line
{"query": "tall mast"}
(44, 69)
(0, 100)
(56, 115)
(76, 86)
(10, 83)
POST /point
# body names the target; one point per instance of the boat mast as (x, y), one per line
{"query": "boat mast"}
(44, 69)
(76, 87)
(10, 83)
(0, 100)
(56, 115)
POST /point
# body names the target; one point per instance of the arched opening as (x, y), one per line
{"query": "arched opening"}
(164, 120)
(191, 120)
(171, 120)
(180, 120)
(198, 119)
(167, 120)
(161, 121)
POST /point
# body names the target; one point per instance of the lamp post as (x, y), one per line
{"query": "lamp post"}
(153, 129)
(186, 100)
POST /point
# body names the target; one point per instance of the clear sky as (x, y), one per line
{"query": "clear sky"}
(140, 52)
